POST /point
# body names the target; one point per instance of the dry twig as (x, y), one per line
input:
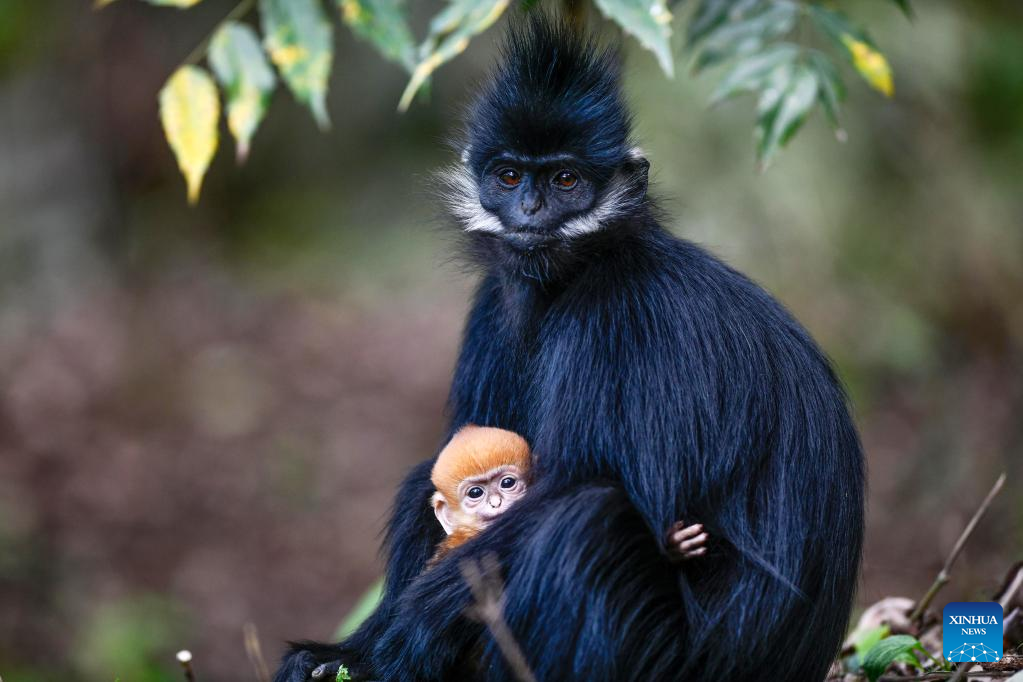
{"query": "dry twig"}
(944, 574)
(255, 652)
(185, 659)
(484, 581)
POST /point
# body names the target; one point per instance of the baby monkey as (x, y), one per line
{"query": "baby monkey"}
(483, 471)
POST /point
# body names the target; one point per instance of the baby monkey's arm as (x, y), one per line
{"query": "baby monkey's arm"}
(686, 542)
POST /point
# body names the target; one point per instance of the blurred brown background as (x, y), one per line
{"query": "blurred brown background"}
(204, 412)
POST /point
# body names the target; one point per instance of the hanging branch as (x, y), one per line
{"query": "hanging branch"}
(199, 51)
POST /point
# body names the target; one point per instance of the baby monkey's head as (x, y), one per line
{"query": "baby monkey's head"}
(479, 474)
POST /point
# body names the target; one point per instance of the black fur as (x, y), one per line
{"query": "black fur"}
(654, 384)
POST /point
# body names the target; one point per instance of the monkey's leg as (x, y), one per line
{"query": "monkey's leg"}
(412, 535)
(588, 595)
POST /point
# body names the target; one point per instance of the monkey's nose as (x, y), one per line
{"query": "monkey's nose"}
(531, 204)
(495, 499)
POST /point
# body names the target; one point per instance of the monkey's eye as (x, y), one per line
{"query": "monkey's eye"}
(566, 179)
(475, 492)
(509, 177)
(508, 482)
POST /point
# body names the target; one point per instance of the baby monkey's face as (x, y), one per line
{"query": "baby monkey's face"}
(486, 496)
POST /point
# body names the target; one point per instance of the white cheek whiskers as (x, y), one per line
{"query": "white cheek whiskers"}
(462, 195)
(617, 201)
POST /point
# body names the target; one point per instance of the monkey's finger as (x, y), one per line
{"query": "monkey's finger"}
(692, 544)
(695, 553)
(687, 532)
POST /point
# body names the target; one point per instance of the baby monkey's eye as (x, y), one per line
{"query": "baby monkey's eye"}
(509, 177)
(475, 492)
(508, 482)
(566, 179)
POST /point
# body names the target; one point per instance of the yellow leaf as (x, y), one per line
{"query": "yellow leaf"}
(352, 12)
(174, 3)
(871, 64)
(189, 110)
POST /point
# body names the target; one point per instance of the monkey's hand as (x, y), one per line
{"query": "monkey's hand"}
(317, 662)
(686, 542)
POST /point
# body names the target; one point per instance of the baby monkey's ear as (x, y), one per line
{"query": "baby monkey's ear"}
(443, 511)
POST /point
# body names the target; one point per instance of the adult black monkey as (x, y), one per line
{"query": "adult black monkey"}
(655, 384)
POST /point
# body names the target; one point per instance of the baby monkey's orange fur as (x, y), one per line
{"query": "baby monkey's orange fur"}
(478, 475)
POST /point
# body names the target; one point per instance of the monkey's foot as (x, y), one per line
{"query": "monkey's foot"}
(686, 542)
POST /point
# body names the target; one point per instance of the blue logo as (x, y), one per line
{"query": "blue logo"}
(972, 631)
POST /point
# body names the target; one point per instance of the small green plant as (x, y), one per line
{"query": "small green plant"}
(342, 674)
(876, 651)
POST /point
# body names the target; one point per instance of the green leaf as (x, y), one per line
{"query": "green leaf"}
(864, 641)
(890, 650)
(189, 111)
(788, 96)
(382, 23)
(835, 24)
(299, 39)
(449, 35)
(868, 639)
(750, 73)
(363, 608)
(746, 33)
(905, 7)
(343, 675)
(832, 89)
(240, 66)
(649, 21)
(710, 14)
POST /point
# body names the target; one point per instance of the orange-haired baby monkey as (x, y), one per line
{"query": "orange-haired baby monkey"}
(483, 471)
(478, 475)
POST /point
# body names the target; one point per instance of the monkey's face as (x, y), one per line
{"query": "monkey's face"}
(535, 197)
(485, 497)
(481, 499)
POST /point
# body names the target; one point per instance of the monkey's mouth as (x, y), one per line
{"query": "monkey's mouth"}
(523, 240)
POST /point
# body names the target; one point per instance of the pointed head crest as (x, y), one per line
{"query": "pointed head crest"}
(553, 90)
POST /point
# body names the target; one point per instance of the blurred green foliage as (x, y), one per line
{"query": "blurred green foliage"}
(757, 39)
(133, 638)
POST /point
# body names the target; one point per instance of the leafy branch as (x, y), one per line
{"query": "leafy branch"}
(756, 43)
